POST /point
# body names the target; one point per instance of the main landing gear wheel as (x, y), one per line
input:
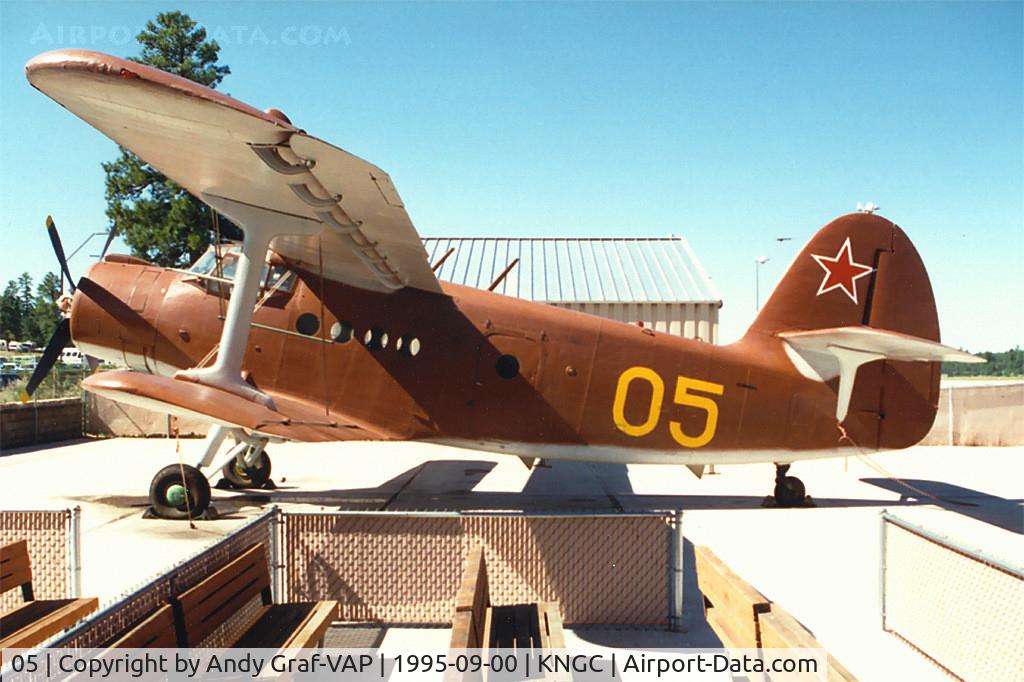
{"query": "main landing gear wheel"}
(176, 496)
(789, 490)
(255, 476)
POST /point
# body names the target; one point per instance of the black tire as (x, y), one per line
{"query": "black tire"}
(167, 494)
(790, 492)
(248, 477)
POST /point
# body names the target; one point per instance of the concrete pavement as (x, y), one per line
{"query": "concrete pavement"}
(821, 563)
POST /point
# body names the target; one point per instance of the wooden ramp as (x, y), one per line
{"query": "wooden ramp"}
(744, 618)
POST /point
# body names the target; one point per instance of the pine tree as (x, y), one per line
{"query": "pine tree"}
(157, 218)
(26, 304)
(10, 313)
(45, 309)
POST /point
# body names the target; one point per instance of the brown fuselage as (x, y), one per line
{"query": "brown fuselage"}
(569, 391)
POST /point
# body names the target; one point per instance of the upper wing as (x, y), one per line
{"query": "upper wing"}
(250, 165)
(293, 419)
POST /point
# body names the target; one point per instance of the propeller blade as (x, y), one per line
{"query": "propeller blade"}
(110, 238)
(59, 339)
(58, 249)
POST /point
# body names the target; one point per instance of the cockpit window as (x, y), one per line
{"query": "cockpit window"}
(206, 263)
(270, 281)
(210, 274)
(228, 265)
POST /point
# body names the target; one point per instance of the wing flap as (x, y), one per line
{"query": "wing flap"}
(293, 419)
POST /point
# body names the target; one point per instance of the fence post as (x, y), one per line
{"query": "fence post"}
(85, 409)
(949, 402)
(676, 617)
(881, 565)
(276, 551)
(75, 552)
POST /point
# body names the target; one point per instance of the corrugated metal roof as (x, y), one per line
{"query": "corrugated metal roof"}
(560, 269)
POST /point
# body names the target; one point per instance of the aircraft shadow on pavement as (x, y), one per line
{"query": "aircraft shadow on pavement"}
(577, 486)
(991, 509)
(449, 485)
(460, 476)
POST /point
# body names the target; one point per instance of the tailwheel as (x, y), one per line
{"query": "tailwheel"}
(241, 475)
(789, 490)
(179, 492)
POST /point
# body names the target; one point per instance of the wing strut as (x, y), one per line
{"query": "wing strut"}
(226, 371)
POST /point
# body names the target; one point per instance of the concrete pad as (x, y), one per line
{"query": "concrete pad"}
(821, 564)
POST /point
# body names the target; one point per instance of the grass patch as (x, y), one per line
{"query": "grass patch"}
(61, 382)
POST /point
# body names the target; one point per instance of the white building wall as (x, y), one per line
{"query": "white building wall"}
(689, 320)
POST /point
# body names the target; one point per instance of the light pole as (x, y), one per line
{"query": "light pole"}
(758, 262)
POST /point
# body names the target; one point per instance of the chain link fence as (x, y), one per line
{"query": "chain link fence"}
(54, 551)
(405, 568)
(127, 610)
(960, 608)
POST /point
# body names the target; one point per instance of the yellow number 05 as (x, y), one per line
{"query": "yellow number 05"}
(682, 397)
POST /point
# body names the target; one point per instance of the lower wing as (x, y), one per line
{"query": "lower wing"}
(293, 420)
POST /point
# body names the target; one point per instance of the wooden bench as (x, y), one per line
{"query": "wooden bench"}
(477, 624)
(202, 609)
(37, 619)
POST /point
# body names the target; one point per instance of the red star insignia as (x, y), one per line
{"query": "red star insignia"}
(841, 272)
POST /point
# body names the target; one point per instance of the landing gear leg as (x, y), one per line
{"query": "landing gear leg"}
(249, 468)
(789, 490)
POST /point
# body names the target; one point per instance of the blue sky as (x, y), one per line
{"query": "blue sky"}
(730, 124)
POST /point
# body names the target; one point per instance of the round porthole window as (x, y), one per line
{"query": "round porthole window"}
(307, 324)
(507, 367)
(408, 345)
(376, 339)
(341, 332)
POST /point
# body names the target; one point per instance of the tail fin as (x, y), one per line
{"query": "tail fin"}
(857, 294)
(860, 269)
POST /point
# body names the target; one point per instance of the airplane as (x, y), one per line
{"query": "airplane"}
(336, 328)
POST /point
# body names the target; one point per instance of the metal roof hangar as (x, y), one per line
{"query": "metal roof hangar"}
(657, 281)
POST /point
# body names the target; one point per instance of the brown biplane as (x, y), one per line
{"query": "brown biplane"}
(336, 328)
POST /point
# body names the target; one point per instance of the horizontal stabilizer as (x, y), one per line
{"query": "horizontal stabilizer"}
(840, 351)
(292, 420)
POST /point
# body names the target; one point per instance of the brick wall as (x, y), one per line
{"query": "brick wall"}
(40, 421)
